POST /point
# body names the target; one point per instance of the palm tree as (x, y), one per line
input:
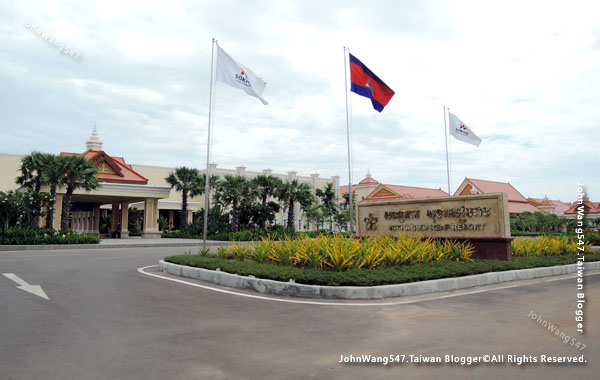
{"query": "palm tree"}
(53, 175)
(292, 192)
(346, 198)
(267, 186)
(32, 167)
(231, 192)
(200, 188)
(186, 180)
(79, 173)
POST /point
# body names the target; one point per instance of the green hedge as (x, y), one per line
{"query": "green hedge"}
(35, 236)
(366, 277)
(195, 231)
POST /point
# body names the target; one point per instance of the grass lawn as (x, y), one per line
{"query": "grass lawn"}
(372, 277)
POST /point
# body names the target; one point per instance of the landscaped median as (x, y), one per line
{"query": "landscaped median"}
(334, 267)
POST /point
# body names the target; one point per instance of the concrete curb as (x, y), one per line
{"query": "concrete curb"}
(51, 247)
(367, 292)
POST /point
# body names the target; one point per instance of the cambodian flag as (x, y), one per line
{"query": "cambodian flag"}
(367, 84)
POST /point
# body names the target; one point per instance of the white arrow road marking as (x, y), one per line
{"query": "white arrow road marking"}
(33, 289)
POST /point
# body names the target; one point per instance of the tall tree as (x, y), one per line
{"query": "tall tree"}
(185, 180)
(53, 175)
(32, 167)
(231, 192)
(328, 203)
(346, 204)
(200, 188)
(291, 192)
(79, 173)
(267, 187)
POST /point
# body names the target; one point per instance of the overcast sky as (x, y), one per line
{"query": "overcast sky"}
(523, 75)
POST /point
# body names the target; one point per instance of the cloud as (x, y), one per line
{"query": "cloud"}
(530, 91)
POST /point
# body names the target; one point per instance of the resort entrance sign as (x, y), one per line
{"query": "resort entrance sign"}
(480, 219)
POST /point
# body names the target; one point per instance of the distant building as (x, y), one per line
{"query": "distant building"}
(372, 189)
(549, 206)
(591, 211)
(517, 203)
(142, 187)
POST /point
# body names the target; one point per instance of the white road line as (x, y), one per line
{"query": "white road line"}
(142, 270)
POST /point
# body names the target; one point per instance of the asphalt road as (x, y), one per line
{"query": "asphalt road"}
(105, 320)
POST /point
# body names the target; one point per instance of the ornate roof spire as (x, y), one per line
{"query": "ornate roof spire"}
(94, 142)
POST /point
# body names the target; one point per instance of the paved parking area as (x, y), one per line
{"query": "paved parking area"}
(104, 319)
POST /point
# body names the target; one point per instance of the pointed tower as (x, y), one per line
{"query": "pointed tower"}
(94, 142)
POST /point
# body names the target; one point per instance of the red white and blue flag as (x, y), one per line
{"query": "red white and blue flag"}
(367, 84)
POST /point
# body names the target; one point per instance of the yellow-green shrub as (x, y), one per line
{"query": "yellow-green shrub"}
(341, 254)
(546, 246)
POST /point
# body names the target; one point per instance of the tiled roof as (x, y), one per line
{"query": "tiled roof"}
(489, 187)
(418, 192)
(369, 181)
(395, 192)
(589, 208)
(559, 206)
(520, 207)
(112, 169)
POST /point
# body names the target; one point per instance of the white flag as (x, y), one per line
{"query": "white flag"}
(461, 132)
(232, 73)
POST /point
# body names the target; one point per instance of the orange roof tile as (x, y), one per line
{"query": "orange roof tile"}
(369, 181)
(395, 192)
(418, 192)
(589, 208)
(559, 206)
(111, 169)
(520, 207)
(489, 187)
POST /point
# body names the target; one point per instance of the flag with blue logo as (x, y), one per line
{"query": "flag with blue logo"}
(236, 75)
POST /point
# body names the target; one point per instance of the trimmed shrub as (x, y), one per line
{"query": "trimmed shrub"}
(35, 236)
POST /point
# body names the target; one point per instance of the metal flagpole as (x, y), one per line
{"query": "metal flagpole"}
(207, 173)
(447, 160)
(348, 139)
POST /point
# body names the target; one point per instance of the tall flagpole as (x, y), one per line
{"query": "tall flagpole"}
(447, 160)
(348, 139)
(207, 181)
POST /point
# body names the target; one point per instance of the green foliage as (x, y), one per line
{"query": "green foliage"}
(373, 277)
(22, 235)
(329, 203)
(592, 238)
(135, 221)
(78, 173)
(547, 246)
(338, 253)
(21, 208)
(195, 231)
(189, 183)
(231, 192)
(105, 224)
(163, 224)
(536, 222)
(290, 193)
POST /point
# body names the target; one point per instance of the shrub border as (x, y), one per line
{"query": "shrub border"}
(368, 292)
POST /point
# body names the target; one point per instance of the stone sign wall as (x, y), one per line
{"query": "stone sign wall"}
(481, 219)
